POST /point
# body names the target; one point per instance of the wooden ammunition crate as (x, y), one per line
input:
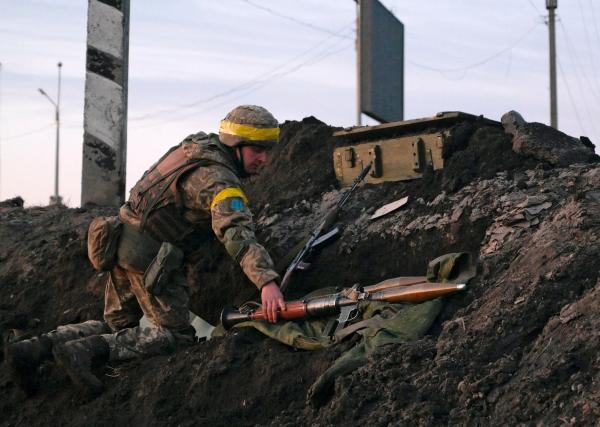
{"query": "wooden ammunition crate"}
(399, 151)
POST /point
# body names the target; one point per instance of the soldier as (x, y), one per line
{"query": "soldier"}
(194, 189)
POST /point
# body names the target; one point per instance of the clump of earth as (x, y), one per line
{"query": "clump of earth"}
(518, 347)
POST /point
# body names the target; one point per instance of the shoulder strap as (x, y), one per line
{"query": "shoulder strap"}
(169, 164)
(154, 166)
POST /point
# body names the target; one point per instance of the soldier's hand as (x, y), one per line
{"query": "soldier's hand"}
(272, 299)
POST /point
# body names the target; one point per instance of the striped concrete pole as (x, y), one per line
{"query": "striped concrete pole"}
(105, 111)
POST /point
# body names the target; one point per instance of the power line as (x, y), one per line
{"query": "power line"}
(21, 135)
(535, 7)
(71, 126)
(573, 53)
(243, 86)
(562, 74)
(597, 31)
(587, 39)
(509, 66)
(291, 18)
(310, 61)
(477, 63)
(594, 21)
(280, 76)
(254, 88)
(583, 98)
(576, 65)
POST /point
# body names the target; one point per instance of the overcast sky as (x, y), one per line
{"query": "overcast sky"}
(191, 61)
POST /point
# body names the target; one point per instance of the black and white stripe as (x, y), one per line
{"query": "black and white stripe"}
(105, 114)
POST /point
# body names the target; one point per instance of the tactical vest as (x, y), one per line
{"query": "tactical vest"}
(155, 198)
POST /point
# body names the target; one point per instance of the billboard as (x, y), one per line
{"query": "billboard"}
(381, 63)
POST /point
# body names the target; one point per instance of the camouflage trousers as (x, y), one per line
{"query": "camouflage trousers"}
(128, 343)
(125, 302)
(79, 330)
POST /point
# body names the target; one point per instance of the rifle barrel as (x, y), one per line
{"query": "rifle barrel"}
(355, 183)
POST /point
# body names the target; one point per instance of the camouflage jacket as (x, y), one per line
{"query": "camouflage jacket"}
(209, 197)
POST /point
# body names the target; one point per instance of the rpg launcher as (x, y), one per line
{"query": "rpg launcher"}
(346, 302)
(320, 234)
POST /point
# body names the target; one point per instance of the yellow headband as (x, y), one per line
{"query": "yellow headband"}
(250, 133)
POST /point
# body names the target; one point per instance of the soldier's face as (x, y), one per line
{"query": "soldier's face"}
(254, 158)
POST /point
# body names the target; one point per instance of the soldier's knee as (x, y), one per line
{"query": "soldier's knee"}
(118, 323)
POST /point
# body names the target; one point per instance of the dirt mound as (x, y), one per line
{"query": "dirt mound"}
(547, 144)
(16, 202)
(518, 347)
(45, 276)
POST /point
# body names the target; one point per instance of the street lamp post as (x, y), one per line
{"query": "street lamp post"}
(55, 199)
(551, 5)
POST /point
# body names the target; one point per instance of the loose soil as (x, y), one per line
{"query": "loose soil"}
(519, 347)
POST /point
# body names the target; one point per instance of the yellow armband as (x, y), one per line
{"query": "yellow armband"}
(227, 193)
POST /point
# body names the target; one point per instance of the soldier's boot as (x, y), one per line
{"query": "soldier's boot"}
(77, 358)
(24, 357)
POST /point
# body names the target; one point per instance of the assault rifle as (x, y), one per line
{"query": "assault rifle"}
(316, 236)
(346, 302)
